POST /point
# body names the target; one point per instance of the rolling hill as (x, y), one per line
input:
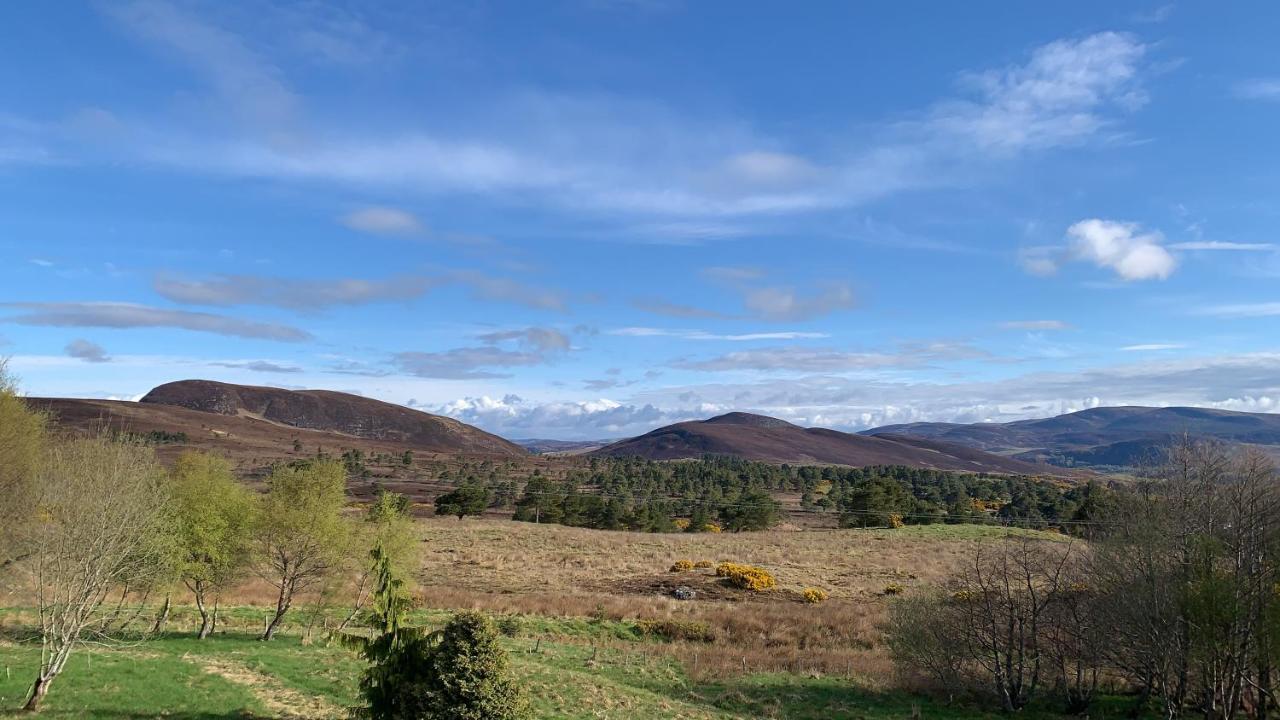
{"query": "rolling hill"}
(1100, 437)
(335, 412)
(757, 437)
(255, 426)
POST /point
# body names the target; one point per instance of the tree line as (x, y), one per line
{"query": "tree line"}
(1174, 597)
(732, 494)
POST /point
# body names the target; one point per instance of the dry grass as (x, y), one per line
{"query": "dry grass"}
(502, 566)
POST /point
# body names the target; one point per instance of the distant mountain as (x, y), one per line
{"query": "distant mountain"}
(757, 437)
(1101, 437)
(539, 446)
(334, 412)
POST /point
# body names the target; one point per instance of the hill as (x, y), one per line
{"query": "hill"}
(757, 437)
(1100, 437)
(335, 412)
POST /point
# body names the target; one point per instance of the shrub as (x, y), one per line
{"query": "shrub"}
(894, 588)
(895, 520)
(509, 625)
(688, 630)
(682, 566)
(459, 672)
(747, 577)
(814, 595)
(703, 564)
(470, 676)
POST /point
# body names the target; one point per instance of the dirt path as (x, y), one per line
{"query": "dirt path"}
(279, 699)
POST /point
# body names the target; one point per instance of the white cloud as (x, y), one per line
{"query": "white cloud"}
(1152, 347)
(1035, 325)
(1057, 98)
(1121, 247)
(1216, 245)
(383, 221)
(627, 155)
(810, 360)
(513, 416)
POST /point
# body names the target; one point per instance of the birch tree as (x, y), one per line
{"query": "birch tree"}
(215, 515)
(102, 522)
(301, 534)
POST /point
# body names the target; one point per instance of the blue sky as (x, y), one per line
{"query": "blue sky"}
(586, 218)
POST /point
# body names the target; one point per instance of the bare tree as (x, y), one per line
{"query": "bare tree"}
(103, 524)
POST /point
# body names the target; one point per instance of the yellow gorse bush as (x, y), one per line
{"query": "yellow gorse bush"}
(704, 564)
(814, 595)
(894, 589)
(747, 577)
(682, 566)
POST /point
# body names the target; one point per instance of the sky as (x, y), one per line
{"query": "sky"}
(584, 219)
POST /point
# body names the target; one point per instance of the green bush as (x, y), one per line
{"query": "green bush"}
(459, 673)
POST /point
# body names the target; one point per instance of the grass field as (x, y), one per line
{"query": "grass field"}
(577, 596)
(571, 672)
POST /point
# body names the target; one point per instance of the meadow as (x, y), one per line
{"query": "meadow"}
(573, 604)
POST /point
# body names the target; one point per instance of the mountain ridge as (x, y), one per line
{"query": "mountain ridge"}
(768, 439)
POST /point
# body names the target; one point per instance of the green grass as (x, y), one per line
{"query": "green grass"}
(571, 668)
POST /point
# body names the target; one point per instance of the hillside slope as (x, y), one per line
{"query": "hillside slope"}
(756, 437)
(336, 412)
(1107, 436)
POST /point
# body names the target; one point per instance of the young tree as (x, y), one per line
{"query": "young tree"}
(215, 525)
(22, 440)
(104, 523)
(468, 499)
(386, 537)
(300, 533)
(469, 673)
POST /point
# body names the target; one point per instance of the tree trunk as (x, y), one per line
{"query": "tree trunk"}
(282, 607)
(162, 618)
(206, 626)
(38, 692)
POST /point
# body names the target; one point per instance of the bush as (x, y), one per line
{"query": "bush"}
(814, 595)
(460, 672)
(509, 625)
(894, 588)
(682, 566)
(703, 564)
(688, 630)
(747, 577)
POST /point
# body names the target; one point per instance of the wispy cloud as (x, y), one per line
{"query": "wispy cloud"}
(1267, 88)
(500, 351)
(634, 156)
(1035, 325)
(1152, 347)
(260, 366)
(306, 295)
(1216, 245)
(1241, 310)
(703, 335)
(821, 360)
(383, 221)
(129, 315)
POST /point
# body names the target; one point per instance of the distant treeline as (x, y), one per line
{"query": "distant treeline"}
(725, 493)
